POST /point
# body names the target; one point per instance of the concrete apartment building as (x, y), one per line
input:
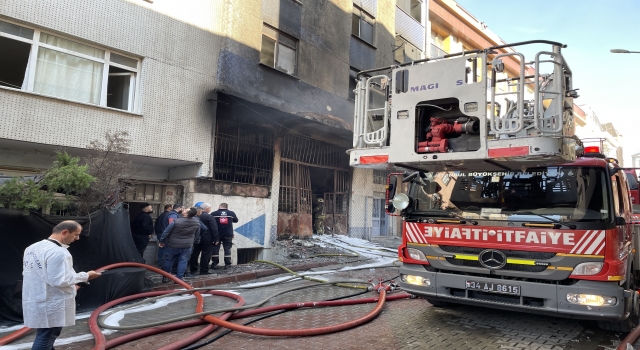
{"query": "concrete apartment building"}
(635, 160)
(594, 133)
(247, 102)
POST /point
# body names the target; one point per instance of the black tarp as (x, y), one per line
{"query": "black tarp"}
(106, 239)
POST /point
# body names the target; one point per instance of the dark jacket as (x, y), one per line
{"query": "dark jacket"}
(225, 219)
(212, 227)
(204, 230)
(159, 228)
(142, 224)
(169, 218)
(182, 233)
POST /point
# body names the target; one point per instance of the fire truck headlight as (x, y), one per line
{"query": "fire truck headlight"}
(416, 280)
(588, 268)
(400, 201)
(591, 300)
(416, 254)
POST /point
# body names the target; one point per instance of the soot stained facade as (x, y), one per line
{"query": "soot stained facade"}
(244, 102)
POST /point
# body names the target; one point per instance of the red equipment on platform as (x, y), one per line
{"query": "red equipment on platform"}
(439, 128)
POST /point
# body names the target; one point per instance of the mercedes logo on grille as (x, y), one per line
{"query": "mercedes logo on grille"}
(492, 259)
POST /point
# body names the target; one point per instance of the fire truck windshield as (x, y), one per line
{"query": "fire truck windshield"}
(566, 193)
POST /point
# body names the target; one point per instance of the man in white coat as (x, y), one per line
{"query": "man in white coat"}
(50, 283)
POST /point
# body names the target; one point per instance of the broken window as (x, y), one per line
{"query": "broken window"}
(278, 50)
(362, 24)
(32, 60)
(243, 152)
(380, 176)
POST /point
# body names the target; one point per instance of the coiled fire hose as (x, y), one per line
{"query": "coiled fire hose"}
(100, 342)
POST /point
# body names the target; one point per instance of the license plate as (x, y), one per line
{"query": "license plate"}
(493, 287)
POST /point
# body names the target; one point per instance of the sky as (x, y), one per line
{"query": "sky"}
(589, 28)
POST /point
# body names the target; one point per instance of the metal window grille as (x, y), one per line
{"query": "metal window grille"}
(314, 152)
(342, 185)
(295, 188)
(243, 153)
(380, 177)
(247, 255)
(337, 203)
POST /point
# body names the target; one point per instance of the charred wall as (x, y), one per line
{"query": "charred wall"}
(326, 49)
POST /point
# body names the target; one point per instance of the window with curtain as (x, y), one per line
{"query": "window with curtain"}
(33, 60)
(278, 50)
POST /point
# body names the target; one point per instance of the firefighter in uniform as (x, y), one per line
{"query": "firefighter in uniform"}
(318, 214)
(225, 219)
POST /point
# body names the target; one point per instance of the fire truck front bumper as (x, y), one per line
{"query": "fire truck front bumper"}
(584, 299)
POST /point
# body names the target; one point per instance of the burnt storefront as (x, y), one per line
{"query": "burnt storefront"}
(314, 188)
(291, 170)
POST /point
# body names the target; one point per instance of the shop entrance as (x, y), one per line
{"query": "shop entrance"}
(314, 188)
(156, 195)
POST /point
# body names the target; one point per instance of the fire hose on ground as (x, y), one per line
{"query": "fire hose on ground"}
(206, 317)
(630, 339)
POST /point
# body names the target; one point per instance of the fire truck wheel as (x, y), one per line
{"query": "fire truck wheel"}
(438, 303)
(618, 327)
(633, 320)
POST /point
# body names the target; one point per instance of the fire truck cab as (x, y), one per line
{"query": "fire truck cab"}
(501, 205)
(634, 188)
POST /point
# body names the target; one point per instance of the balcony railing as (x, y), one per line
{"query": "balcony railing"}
(435, 51)
(410, 29)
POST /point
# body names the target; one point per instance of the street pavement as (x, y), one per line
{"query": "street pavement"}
(403, 324)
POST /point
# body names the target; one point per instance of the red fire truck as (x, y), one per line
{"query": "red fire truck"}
(501, 205)
(634, 188)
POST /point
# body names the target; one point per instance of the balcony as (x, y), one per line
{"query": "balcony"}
(410, 29)
(435, 51)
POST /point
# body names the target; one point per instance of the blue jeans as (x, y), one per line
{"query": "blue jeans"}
(171, 254)
(161, 256)
(45, 338)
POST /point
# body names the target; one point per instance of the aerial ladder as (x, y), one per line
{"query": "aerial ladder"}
(461, 111)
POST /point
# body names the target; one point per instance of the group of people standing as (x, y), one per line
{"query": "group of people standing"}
(187, 237)
(50, 283)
